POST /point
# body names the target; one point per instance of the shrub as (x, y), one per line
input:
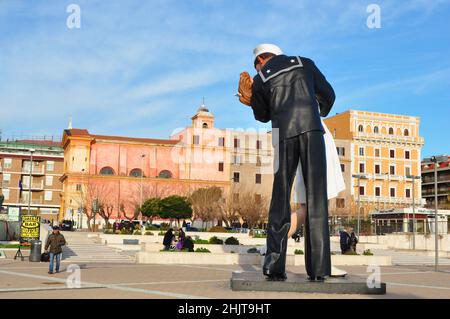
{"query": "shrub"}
(137, 232)
(367, 252)
(185, 250)
(253, 250)
(161, 233)
(217, 229)
(202, 250)
(201, 241)
(149, 233)
(333, 253)
(165, 226)
(108, 231)
(151, 227)
(232, 252)
(350, 253)
(215, 241)
(124, 231)
(259, 236)
(231, 241)
(298, 252)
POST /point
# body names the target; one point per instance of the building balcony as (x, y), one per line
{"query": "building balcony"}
(440, 179)
(384, 199)
(390, 138)
(34, 201)
(432, 194)
(34, 171)
(34, 186)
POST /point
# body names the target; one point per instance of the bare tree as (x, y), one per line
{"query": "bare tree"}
(229, 209)
(206, 203)
(253, 208)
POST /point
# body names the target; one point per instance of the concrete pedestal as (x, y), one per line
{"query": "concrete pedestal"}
(256, 281)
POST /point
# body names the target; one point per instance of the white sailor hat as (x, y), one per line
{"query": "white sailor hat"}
(266, 48)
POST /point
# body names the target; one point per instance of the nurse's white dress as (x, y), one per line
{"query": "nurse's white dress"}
(335, 180)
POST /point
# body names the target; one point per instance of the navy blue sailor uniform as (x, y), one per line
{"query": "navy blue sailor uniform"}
(292, 93)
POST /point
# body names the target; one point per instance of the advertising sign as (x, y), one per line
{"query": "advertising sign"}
(29, 227)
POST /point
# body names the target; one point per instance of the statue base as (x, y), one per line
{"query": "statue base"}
(256, 281)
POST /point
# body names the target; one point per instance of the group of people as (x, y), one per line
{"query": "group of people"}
(171, 241)
(348, 241)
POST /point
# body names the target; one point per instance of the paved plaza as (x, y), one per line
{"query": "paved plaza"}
(24, 279)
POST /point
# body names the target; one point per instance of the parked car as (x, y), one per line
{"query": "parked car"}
(66, 225)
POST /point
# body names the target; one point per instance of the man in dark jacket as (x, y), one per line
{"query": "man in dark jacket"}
(291, 92)
(53, 245)
(168, 238)
(344, 241)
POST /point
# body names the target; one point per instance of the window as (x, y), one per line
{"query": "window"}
(406, 132)
(392, 169)
(236, 143)
(236, 159)
(407, 171)
(48, 180)
(361, 190)
(165, 174)
(5, 193)
(6, 178)
(258, 144)
(392, 192)
(78, 187)
(360, 128)
(7, 163)
(236, 177)
(377, 191)
(221, 141)
(258, 178)
(391, 131)
(220, 166)
(408, 193)
(377, 152)
(340, 203)
(48, 195)
(258, 198)
(196, 139)
(136, 172)
(236, 197)
(342, 167)
(375, 130)
(107, 171)
(362, 167)
(340, 151)
(205, 125)
(361, 151)
(407, 155)
(258, 160)
(392, 153)
(377, 168)
(50, 166)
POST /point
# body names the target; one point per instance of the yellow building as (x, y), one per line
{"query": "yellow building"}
(382, 149)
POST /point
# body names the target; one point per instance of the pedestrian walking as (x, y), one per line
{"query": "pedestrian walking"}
(53, 246)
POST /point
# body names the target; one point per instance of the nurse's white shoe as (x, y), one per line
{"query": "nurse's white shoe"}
(336, 272)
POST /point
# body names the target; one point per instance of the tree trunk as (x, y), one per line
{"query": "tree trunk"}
(89, 223)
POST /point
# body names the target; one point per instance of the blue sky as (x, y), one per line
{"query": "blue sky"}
(141, 68)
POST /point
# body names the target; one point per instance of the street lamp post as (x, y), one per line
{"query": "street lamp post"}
(414, 207)
(29, 182)
(359, 177)
(142, 179)
(436, 160)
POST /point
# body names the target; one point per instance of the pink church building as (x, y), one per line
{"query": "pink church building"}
(122, 172)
